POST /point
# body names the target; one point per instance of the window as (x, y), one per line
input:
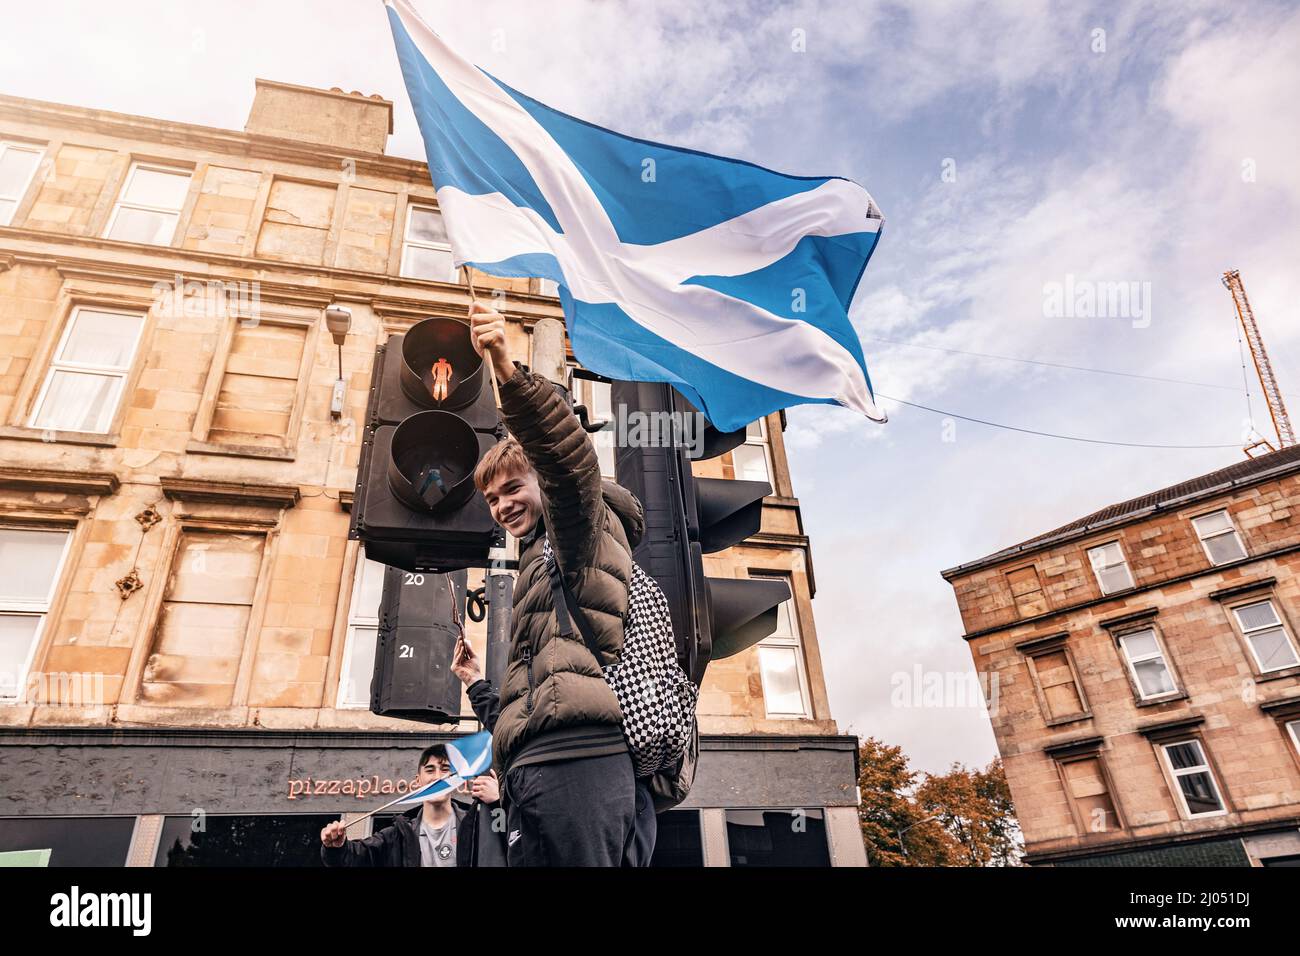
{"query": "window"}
(72, 841)
(259, 388)
(88, 373)
(18, 163)
(202, 625)
(780, 659)
(254, 840)
(426, 253)
(597, 396)
(1264, 632)
(679, 840)
(296, 222)
(1109, 566)
(30, 562)
(1219, 538)
(1027, 591)
(363, 633)
(1058, 684)
(777, 838)
(150, 205)
(752, 460)
(1146, 662)
(1197, 788)
(1088, 787)
(1293, 728)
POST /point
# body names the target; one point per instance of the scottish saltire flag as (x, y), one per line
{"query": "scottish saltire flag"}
(730, 281)
(469, 757)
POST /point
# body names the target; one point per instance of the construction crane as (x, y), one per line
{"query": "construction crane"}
(1263, 368)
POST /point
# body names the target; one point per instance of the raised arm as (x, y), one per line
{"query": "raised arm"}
(561, 452)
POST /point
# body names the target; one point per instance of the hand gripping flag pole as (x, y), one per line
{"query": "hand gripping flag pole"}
(473, 300)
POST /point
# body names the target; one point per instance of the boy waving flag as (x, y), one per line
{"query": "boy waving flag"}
(729, 281)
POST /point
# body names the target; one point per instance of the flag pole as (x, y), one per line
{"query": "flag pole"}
(371, 813)
(492, 375)
(395, 800)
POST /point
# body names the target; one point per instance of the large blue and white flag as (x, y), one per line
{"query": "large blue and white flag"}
(728, 280)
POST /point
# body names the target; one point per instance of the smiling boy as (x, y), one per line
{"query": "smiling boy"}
(567, 776)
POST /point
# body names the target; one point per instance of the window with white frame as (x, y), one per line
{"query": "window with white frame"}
(780, 658)
(30, 562)
(18, 162)
(1293, 728)
(1264, 631)
(1111, 569)
(753, 460)
(1197, 788)
(597, 397)
(426, 252)
(1219, 537)
(1146, 662)
(88, 372)
(363, 633)
(150, 204)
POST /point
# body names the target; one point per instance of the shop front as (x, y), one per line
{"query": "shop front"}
(173, 797)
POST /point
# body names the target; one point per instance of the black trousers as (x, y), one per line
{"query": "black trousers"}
(645, 829)
(570, 813)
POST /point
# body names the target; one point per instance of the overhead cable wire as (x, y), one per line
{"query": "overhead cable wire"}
(1074, 368)
(1043, 434)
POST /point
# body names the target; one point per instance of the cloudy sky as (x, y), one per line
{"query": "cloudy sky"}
(1014, 147)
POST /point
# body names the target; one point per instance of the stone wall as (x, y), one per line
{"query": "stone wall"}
(224, 429)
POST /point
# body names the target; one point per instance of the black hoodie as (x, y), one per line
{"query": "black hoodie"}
(478, 842)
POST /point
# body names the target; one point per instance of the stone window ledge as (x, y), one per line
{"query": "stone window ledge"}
(21, 433)
(231, 493)
(66, 482)
(1071, 719)
(1293, 671)
(1157, 701)
(240, 451)
(1237, 590)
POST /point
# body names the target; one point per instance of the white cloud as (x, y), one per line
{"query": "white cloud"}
(1112, 166)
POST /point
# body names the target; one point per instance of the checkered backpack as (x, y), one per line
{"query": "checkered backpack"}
(654, 693)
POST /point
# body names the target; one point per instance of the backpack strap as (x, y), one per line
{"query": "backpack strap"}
(567, 611)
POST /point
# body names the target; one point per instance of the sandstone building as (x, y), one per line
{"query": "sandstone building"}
(186, 632)
(1144, 669)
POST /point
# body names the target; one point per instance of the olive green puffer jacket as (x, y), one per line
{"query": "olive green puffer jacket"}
(554, 701)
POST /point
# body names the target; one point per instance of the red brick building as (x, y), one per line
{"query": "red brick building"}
(1144, 673)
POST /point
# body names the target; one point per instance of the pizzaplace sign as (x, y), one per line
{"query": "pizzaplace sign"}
(358, 787)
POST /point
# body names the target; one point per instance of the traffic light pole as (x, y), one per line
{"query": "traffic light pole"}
(500, 592)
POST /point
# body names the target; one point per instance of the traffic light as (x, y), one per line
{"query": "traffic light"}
(688, 517)
(417, 634)
(431, 417)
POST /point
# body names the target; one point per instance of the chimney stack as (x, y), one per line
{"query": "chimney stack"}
(347, 121)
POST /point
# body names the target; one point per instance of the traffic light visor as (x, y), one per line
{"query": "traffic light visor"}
(432, 464)
(440, 368)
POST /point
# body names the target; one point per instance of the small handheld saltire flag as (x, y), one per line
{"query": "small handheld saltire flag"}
(730, 281)
(469, 757)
